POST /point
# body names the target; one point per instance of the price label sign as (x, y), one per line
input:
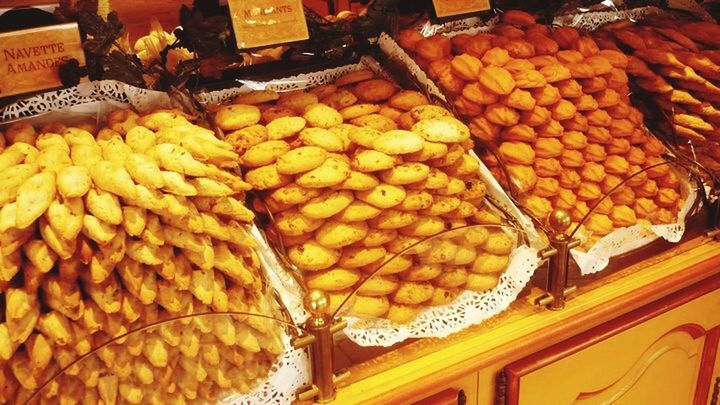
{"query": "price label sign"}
(29, 59)
(450, 8)
(260, 23)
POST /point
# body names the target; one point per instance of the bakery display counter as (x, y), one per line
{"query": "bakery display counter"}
(681, 284)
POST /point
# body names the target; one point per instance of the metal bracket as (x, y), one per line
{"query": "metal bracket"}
(558, 256)
(319, 339)
(714, 219)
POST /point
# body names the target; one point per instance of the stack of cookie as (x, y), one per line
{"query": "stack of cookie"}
(356, 172)
(106, 231)
(555, 111)
(678, 65)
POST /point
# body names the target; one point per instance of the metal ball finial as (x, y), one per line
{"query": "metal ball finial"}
(559, 221)
(317, 302)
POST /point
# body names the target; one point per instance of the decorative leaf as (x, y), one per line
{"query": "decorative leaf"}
(69, 10)
(201, 34)
(124, 68)
(70, 72)
(101, 33)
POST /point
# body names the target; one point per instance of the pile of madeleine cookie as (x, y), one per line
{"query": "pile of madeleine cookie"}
(359, 171)
(678, 65)
(553, 112)
(105, 231)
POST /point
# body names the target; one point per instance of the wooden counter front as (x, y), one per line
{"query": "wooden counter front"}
(424, 367)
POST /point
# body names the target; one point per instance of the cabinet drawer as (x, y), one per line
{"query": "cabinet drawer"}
(650, 356)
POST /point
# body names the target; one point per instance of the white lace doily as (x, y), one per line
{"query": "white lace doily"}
(624, 240)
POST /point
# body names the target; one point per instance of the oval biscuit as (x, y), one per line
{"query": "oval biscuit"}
(405, 173)
(332, 172)
(327, 205)
(383, 196)
(284, 127)
(322, 138)
(332, 280)
(334, 234)
(300, 160)
(397, 142)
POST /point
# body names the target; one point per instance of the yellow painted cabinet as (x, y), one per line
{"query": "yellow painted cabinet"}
(663, 353)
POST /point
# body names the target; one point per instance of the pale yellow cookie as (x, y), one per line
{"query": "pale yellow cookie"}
(442, 129)
(266, 177)
(245, 138)
(411, 292)
(397, 142)
(294, 194)
(422, 272)
(464, 255)
(343, 132)
(392, 113)
(323, 90)
(327, 204)
(375, 90)
(297, 101)
(334, 234)
(357, 211)
(413, 244)
(405, 173)
(312, 256)
(354, 77)
(236, 116)
(363, 136)
(424, 226)
(340, 99)
(406, 100)
(455, 186)
(359, 181)
(383, 196)
(272, 113)
(301, 159)
(378, 285)
(371, 161)
(473, 236)
(424, 112)
(498, 243)
(322, 138)
(451, 277)
(401, 314)
(375, 121)
(436, 179)
(378, 237)
(454, 153)
(332, 172)
(284, 127)
(465, 166)
(389, 264)
(358, 110)
(369, 307)
(430, 150)
(489, 263)
(264, 153)
(392, 219)
(441, 205)
(443, 296)
(321, 115)
(416, 200)
(354, 257)
(442, 251)
(481, 282)
(293, 223)
(333, 279)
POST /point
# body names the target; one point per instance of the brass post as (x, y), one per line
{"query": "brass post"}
(558, 255)
(714, 215)
(320, 328)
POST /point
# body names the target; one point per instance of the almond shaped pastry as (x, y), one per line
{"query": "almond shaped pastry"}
(666, 197)
(569, 179)
(649, 189)
(579, 211)
(635, 156)
(569, 88)
(569, 56)
(599, 118)
(523, 176)
(546, 95)
(519, 99)
(577, 123)
(670, 180)
(548, 147)
(572, 158)
(497, 80)
(494, 56)
(574, 140)
(555, 73)
(615, 164)
(604, 205)
(552, 129)
(653, 147)
(547, 167)
(610, 182)
(588, 191)
(529, 79)
(466, 67)
(594, 153)
(585, 102)
(622, 216)
(562, 110)
(692, 121)
(439, 67)
(593, 172)
(519, 132)
(599, 135)
(450, 83)
(535, 117)
(564, 199)
(516, 65)
(593, 84)
(607, 98)
(586, 46)
(540, 207)
(502, 115)
(580, 70)
(478, 45)
(622, 128)
(638, 137)
(637, 176)
(635, 116)
(543, 45)
(619, 110)
(484, 130)
(618, 146)
(637, 67)
(662, 216)
(617, 79)
(616, 58)
(464, 107)
(624, 195)
(599, 65)
(644, 207)
(544, 60)
(689, 133)
(546, 187)
(517, 152)
(683, 97)
(477, 93)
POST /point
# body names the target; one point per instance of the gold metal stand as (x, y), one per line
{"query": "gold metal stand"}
(558, 255)
(714, 217)
(320, 330)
